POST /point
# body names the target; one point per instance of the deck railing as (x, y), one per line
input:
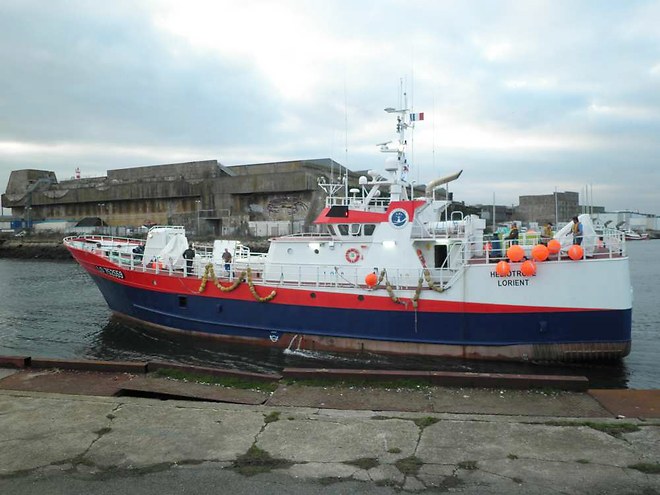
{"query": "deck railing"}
(609, 244)
(357, 202)
(462, 254)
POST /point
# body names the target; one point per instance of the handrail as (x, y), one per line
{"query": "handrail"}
(307, 235)
(462, 254)
(380, 204)
(108, 238)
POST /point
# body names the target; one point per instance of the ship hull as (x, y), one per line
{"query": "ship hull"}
(524, 335)
(473, 319)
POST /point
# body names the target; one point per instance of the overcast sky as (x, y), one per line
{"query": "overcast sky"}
(524, 96)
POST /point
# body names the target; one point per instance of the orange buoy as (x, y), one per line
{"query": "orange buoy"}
(554, 246)
(515, 253)
(371, 279)
(575, 252)
(528, 268)
(540, 252)
(503, 269)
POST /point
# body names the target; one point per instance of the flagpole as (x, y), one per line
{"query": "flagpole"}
(494, 213)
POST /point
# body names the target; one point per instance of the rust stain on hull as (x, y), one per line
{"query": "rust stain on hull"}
(605, 351)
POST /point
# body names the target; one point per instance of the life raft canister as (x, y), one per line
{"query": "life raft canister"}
(352, 255)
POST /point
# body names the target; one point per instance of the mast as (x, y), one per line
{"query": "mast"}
(398, 167)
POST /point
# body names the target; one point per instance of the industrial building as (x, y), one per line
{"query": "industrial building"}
(558, 207)
(209, 199)
(205, 197)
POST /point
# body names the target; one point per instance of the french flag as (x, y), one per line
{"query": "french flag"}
(416, 116)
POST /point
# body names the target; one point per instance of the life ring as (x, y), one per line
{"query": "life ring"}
(352, 255)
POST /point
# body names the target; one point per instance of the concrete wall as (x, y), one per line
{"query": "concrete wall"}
(202, 196)
(21, 180)
(541, 208)
(54, 226)
(323, 165)
(274, 229)
(207, 169)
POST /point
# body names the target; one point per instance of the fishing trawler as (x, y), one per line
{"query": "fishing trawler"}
(389, 272)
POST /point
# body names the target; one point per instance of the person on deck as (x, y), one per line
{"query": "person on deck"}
(189, 256)
(226, 257)
(577, 230)
(513, 235)
(138, 251)
(546, 233)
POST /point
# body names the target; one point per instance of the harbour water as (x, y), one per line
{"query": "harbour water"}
(53, 309)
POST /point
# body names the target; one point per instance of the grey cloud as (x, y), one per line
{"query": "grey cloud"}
(72, 74)
(101, 74)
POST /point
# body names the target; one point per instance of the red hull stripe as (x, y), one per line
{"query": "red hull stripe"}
(300, 297)
(353, 217)
(358, 216)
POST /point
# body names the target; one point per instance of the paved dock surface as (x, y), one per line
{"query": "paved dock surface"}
(327, 440)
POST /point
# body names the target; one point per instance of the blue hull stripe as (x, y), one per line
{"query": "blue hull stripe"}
(259, 320)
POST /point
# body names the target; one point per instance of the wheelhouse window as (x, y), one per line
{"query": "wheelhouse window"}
(354, 229)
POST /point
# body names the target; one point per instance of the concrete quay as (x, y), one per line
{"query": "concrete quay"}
(318, 439)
